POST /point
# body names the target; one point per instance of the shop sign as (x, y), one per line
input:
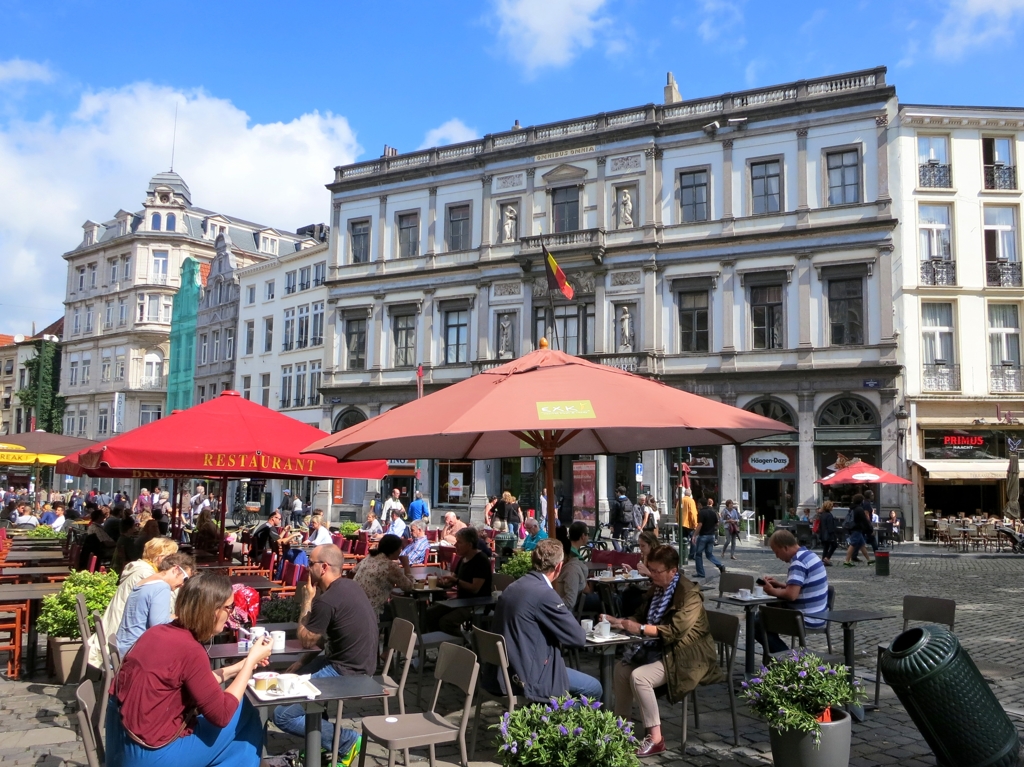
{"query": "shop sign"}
(584, 491)
(401, 468)
(974, 444)
(455, 484)
(338, 491)
(769, 460)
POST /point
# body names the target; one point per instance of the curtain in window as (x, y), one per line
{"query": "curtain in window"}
(938, 341)
(1004, 346)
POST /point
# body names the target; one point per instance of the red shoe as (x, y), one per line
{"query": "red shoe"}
(649, 748)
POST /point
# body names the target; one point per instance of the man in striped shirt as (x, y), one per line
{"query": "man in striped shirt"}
(806, 586)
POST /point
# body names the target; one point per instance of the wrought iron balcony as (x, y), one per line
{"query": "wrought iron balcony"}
(153, 382)
(590, 241)
(287, 346)
(1003, 274)
(938, 272)
(636, 362)
(289, 289)
(302, 343)
(934, 175)
(1005, 378)
(1000, 177)
(303, 286)
(941, 377)
(286, 403)
(318, 281)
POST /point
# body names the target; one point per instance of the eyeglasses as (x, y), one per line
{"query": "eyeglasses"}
(656, 572)
(228, 607)
(184, 575)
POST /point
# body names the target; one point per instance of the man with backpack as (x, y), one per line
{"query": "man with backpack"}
(617, 512)
(858, 528)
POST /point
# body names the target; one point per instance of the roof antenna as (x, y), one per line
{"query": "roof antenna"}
(174, 134)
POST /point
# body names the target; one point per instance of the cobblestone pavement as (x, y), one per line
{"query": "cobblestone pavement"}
(37, 720)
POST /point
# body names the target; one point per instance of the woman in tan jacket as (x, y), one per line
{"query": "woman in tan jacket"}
(678, 653)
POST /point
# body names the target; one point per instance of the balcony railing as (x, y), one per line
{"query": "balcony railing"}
(1005, 378)
(1003, 274)
(316, 341)
(1000, 177)
(289, 289)
(286, 403)
(302, 343)
(941, 377)
(303, 286)
(938, 272)
(153, 382)
(632, 363)
(934, 175)
(287, 346)
(300, 401)
(318, 281)
(586, 240)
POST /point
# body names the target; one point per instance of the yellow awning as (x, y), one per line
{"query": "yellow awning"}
(13, 458)
(957, 469)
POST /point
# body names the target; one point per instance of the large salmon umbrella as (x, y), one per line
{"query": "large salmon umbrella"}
(862, 473)
(551, 403)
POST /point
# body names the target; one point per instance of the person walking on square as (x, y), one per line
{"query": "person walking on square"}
(687, 523)
(858, 527)
(707, 526)
(731, 517)
(827, 533)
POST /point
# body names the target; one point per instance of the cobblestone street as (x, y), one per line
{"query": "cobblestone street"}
(37, 718)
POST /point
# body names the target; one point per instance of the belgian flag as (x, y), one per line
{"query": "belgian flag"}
(556, 277)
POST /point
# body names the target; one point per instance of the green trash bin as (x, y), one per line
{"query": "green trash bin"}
(951, 704)
(881, 563)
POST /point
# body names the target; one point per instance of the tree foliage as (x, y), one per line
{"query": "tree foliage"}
(41, 395)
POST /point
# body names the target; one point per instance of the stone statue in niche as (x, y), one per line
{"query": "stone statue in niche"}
(509, 224)
(625, 330)
(506, 348)
(625, 210)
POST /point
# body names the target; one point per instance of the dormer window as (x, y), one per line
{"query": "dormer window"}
(154, 225)
(89, 240)
(268, 245)
(171, 222)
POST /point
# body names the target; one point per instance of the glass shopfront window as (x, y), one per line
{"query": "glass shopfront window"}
(829, 460)
(705, 473)
(454, 482)
(967, 445)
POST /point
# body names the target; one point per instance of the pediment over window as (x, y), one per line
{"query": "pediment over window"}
(564, 172)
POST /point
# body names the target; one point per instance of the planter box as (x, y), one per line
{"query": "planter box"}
(62, 658)
(797, 749)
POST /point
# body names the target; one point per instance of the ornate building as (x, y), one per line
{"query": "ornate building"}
(737, 246)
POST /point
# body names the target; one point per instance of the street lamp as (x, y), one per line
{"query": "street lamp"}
(902, 417)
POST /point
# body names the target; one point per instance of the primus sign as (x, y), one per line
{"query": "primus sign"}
(773, 460)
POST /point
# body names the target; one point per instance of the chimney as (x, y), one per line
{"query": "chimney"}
(672, 91)
(389, 151)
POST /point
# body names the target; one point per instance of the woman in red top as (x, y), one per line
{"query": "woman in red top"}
(167, 707)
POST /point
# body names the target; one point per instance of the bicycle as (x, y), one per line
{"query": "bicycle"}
(243, 516)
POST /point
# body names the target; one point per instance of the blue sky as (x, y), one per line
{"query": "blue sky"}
(270, 96)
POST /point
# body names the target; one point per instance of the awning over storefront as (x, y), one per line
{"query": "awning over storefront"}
(954, 469)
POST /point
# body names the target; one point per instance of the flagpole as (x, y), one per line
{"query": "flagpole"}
(554, 321)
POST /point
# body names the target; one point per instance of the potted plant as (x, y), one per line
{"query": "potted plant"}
(802, 699)
(518, 565)
(349, 528)
(59, 621)
(44, 531)
(567, 732)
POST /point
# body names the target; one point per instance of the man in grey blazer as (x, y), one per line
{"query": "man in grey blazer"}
(535, 622)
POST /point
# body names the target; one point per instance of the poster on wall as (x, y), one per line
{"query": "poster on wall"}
(455, 484)
(338, 491)
(584, 491)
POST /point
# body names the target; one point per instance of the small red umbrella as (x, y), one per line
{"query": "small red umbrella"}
(861, 473)
(547, 402)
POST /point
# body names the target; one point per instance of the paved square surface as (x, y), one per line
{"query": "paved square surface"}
(37, 719)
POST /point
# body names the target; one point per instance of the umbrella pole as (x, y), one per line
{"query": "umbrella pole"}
(223, 515)
(174, 508)
(548, 453)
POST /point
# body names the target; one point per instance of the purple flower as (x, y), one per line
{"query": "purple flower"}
(515, 748)
(585, 699)
(529, 743)
(596, 705)
(607, 738)
(545, 719)
(744, 685)
(504, 728)
(782, 711)
(802, 675)
(505, 747)
(578, 731)
(569, 703)
(831, 672)
(562, 729)
(756, 680)
(821, 668)
(856, 683)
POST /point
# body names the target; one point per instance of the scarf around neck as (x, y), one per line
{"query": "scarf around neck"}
(660, 601)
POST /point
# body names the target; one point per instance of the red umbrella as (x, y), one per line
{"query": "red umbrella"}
(550, 403)
(861, 473)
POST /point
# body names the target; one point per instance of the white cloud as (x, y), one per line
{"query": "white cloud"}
(909, 55)
(722, 20)
(751, 74)
(546, 33)
(60, 172)
(974, 24)
(451, 132)
(20, 70)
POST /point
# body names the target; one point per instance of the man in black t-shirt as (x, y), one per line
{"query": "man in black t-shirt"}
(341, 621)
(472, 578)
(707, 526)
(266, 535)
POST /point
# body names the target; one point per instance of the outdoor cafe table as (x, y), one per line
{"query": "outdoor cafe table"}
(606, 649)
(849, 619)
(749, 606)
(471, 602)
(32, 544)
(34, 573)
(287, 628)
(258, 582)
(219, 653)
(339, 688)
(46, 555)
(32, 593)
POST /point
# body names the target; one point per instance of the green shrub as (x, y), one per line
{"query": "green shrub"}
(349, 528)
(567, 732)
(279, 610)
(58, 618)
(520, 564)
(45, 531)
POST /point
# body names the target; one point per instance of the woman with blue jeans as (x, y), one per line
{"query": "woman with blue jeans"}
(167, 708)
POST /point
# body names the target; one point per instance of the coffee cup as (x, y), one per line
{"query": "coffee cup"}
(495, 594)
(287, 684)
(432, 581)
(588, 625)
(604, 628)
(744, 593)
(278, 640)
(758, 591)
(256, 632)
(606, 574)
(263, 680)
(634, 573)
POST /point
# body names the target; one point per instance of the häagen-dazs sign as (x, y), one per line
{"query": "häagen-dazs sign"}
(769, 460)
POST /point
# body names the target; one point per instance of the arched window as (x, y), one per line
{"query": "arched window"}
(171, 222)
(153, 369)
(848, 411)
(348, 418)
(772, 408)
(154, 225)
